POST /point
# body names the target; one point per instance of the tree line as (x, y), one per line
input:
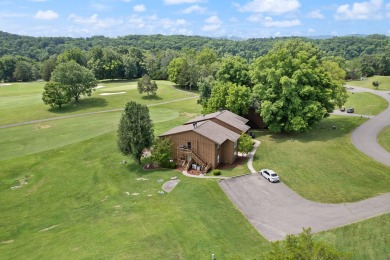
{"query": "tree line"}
(25, 58)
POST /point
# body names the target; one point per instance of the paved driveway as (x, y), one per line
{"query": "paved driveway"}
(275, 210)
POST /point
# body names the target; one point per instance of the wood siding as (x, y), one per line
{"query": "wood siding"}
(204, 146)
(228, 154)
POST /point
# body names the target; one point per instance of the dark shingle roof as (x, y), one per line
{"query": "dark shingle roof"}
(213, 131)
(226, 116)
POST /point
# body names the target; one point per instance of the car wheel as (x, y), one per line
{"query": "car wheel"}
(269, 180)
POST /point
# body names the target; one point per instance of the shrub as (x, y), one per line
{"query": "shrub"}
(216, 172)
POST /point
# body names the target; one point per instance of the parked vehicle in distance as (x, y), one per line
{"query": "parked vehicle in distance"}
(270, 175)
(342, 109)
(350, 110)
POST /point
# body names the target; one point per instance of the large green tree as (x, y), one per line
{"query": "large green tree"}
(135, 131)
(233, 97)
(293, 87)
(162, 152)
(76, 79)
(48, 67)
(145, 84)
(55, 94)
(234, 69)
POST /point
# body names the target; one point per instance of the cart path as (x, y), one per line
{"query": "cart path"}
(365, 136)
(89, 113)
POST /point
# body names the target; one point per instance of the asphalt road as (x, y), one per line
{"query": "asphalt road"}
(365, 136)
(275, 210)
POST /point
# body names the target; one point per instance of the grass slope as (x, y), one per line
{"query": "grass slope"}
(384, 82)
(368, 239)
(366, 103)
(384, 138)
(79, 191)
(322, 165)
(22, 101)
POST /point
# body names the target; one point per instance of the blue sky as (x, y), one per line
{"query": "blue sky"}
(242, 18)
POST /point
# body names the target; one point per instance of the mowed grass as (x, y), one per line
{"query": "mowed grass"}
(384, 82)
(323, 165)
(34, 138)
(81, 203)
(384, 138)
(366, 103)
(23, 101)
(368, 239)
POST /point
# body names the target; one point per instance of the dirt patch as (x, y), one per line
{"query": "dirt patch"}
(40, 127)
(46, 229)
(7, 241)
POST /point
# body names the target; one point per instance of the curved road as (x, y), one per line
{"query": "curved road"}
(275, 210)
(365, 136)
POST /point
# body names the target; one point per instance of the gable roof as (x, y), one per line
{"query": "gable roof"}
(226, 116)
(213, 131)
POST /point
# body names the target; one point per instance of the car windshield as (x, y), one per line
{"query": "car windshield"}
(274, 175)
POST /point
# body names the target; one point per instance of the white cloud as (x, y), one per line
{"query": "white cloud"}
(194, 9)
(95, 21)
(139, 8)
(100, 7)
(213, 23)
(233, 19)
(269, 22)
(360, 11)
(176, 2)
(388, 10)
(126, 1)
(270, 6)
(46, 15)
(311, 30)
(255, 18)
(316, 15)
(39, 0)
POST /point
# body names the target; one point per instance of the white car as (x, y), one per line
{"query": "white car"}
(270, 175)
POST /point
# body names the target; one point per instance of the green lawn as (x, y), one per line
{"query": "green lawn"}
(384, 82)
(79, 191)
(384, 138)
(366, 103)
(368, 239)
(323, 165)
(19, 106)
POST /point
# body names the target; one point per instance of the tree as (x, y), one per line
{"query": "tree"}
(23, 71)
(376, 84)
(294, 88)
(48, 67)
(73, 54)
(145, 84)
(76, 79)
(55, 95)
(162, 152)
(135, 130)
(233, 97)
(302, 246)
(234, 69)
(245, 143)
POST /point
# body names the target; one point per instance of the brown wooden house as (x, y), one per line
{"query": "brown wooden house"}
(207, 142)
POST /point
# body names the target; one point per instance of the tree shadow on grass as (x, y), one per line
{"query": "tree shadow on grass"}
(81, 105)
(328, 129)
(152, 97)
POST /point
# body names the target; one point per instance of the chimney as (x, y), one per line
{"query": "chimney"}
(194, 124)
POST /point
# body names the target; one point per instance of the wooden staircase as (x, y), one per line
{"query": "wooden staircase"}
(196, 157)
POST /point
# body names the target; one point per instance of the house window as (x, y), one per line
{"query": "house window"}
(189, 145)
(218, 158)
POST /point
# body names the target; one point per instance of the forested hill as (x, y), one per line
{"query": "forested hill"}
(41, 48)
